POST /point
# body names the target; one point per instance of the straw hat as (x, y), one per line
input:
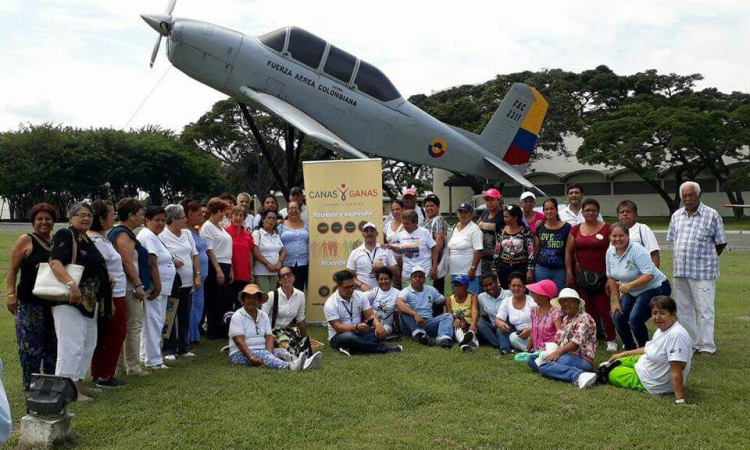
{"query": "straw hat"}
(252, 289)
(567, 293)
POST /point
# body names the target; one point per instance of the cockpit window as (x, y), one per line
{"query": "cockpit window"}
(274, 39)
(306, 47)
(372, 81)
(339, 64)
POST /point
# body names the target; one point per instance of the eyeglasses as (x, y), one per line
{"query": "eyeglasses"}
(84, 216)
(286, 275)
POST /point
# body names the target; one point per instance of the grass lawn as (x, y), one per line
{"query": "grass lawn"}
(423, 398)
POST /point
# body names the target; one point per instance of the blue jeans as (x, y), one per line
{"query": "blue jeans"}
(489, 333)
(635, 313)
(358, 342)
(568, 367)
(556, 275)
(440, 327)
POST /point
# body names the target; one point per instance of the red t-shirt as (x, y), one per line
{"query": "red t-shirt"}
(591, 251)
(242, 247)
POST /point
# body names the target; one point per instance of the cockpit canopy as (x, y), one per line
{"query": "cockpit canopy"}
(308, 49)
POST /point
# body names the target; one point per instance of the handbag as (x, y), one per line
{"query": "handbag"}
(48, 287)
(590, 281)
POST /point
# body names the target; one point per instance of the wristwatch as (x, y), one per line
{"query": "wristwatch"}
(70, 284)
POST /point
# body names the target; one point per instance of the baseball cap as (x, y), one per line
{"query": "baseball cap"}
(416, 269)
(296, 190)
(492, 193)
(528, 194)
(410, 191)
(460, 279)
(465, 207)
(369, 225)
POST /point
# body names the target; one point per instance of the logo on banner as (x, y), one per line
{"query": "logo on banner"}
(437, 148)
(344, 193)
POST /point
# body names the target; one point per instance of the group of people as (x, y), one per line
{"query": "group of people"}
(542, 285)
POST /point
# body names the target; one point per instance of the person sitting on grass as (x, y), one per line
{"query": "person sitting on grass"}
(382, 299)
(546, 320)
(414, 305)
(573, 359)
(662, 366)
(251, 341)
(464, 307)
(514, 316)
(352, 325)
(489, 302)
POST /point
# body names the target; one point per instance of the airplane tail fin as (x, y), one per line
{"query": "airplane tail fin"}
(515, 126)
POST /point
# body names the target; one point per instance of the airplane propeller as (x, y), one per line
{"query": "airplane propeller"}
(162, 23)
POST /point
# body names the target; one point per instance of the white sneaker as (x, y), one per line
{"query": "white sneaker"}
(586, 380)
(224, 349)
(611, 346)
(468, 337)
(313, 361)
(188, 355)
(170, 357)
(299, 363)
(345, 351)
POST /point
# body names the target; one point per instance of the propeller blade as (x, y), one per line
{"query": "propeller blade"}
(156, 51)
(170, 7)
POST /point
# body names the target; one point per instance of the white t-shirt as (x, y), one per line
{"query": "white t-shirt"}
(391, 236)
(289, 308)
(383, 304)
(255, 332)
(183, 248)
(653, 369)
(269, 245)
(114, 264)
(361, 261)
(642, 234)
(164, 258)
(519, 318)
(462, 245)
(250, 222)
(416, 249)
(218, 240)
(348, 312)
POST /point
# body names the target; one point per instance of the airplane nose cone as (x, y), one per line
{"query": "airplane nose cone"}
(158, 22)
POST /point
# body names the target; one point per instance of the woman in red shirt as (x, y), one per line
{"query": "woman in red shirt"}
(242, 254)
(585, 264)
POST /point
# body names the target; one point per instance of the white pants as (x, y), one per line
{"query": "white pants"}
(155, 312)
(76, 341)
(459, 334)
(693, 295)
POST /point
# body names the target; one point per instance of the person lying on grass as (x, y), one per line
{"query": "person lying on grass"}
(573, 359)
(663, 364)
(464, 307)
(251, 341)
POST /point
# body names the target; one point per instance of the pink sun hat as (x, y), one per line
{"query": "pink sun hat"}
(547, 288)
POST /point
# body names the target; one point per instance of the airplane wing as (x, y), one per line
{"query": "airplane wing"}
(301, 121)
(511, 172)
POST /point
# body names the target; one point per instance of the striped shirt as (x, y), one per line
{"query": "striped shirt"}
(695, 239)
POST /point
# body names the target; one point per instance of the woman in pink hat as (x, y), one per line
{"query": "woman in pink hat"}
(545, 318)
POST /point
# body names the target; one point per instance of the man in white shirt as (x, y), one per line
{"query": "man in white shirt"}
(296, 194)
(417, 247)
(573, 212)
(352, 325)
(627, 213)
(366, 259)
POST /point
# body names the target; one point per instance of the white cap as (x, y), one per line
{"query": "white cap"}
(528, 194)
(416, 269)
(369, 225)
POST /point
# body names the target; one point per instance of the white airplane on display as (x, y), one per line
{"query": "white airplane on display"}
(345, 103)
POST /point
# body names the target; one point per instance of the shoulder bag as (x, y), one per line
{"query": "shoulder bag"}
(47, 285)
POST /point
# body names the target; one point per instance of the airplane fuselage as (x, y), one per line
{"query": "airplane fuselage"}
(228, 60)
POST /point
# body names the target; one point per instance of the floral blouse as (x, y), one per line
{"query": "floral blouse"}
(581, 329)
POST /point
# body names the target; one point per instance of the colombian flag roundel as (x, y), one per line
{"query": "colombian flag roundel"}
(437, 148)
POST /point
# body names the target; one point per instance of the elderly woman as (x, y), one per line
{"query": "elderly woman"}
(549, 245)
(515, 247)
(163, 273)
(246, 200)
(633, 281)
(251, 340)
(663, 364)
(546, 320)
(194, 222)
(586, 266)
(242, 253)
(35, 327)
(75, 322)
(179, 242)
(465, 247)
(269, 252)
(135, 264)
(573, 359)
(286, 308)
(296, 239)
(464, 307)
(111, 332)
(514, 316)
(435, 223)
(219, 251)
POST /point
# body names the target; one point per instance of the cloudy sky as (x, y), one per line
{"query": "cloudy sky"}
(85, 62)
